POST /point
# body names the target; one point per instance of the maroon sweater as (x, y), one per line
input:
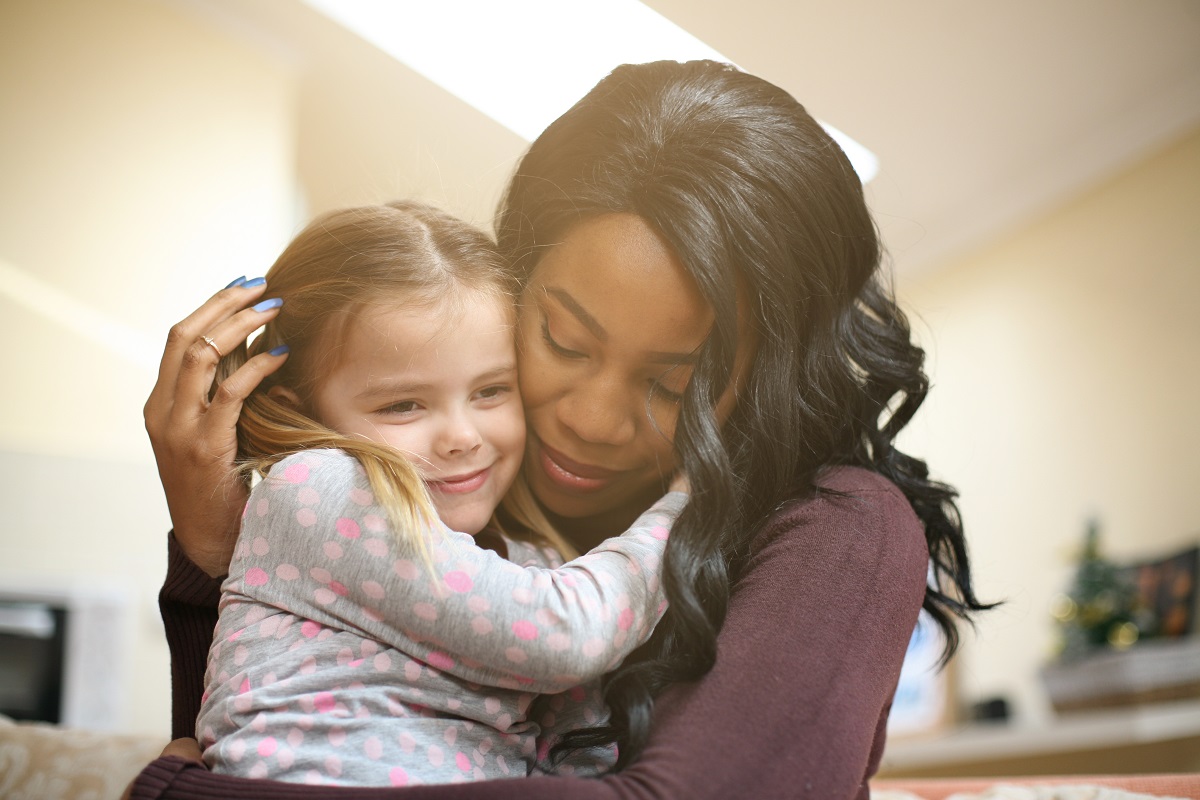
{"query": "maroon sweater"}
(796, 705)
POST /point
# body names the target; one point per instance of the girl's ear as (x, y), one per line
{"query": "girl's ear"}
(285, 396)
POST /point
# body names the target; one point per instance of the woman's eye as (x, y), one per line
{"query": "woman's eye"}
(658, 391)
(555, 346)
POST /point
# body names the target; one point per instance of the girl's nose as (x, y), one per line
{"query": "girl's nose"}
(458, 436)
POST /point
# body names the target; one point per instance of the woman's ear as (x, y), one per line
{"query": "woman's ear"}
(285, 396)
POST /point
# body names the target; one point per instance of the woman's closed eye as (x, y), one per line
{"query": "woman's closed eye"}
(554, 345)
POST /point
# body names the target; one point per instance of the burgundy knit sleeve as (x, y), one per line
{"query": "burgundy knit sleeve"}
(188, 604)
(797, 703)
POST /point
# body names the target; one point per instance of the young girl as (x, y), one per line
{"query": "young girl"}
(361, 640)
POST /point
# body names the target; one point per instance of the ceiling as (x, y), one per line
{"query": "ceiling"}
(983, 115)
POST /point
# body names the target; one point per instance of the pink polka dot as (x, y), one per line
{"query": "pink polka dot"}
(478, 603)
(481, 625)
(459, 581)
(382, 662)
(436, 755)
(525, 630)
(308, 666)
(306, 517)
(412, 671)
(348, 528)
(295, 737)
(406, 569)
(309, 629)
(660, 533)
(374, 522)
(376, 547)
(308, 496)
(287, 572)
(267, 747)
(237, 749)
(373, 614)
(333, 766)
(240, 655)
(558, 641)
(262, 507)
(338, 588)
(373, 589)
(296, 473)
(260, 546)
(522, 595)
(592, 648)
(320, 575)
(398, 776)
(450, 735)
(256, 577)
(268, 626)
(625, 619)
(439, 660)
(323, 702)
(333, 550)
(361, 497)
(462, 761)
(516, 655)
(373, 748)
(426, 611)
(491, 704)
(285, 758)
(337, 736)
(245, 687)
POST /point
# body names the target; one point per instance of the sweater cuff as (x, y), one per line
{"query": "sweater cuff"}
(186, 582)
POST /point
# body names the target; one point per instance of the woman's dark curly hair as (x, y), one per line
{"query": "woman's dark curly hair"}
(766, 213)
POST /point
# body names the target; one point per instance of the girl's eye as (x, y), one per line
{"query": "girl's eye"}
(555, 346)
(493, 392)
(403, 407)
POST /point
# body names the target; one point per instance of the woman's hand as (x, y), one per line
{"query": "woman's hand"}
(195, 438)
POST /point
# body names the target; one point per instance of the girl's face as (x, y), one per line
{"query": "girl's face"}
(439, 384)
(609, 328)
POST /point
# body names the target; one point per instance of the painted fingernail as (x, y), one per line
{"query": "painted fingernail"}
(267, 305)
(250, 284)
(278, 351)
(236, 282)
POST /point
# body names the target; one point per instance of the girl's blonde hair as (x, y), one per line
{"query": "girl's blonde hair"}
(337, 266)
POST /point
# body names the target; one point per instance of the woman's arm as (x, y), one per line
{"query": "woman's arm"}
(315, 543)
(797, 703)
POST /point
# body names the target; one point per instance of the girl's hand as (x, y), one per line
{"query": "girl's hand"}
(195, 438)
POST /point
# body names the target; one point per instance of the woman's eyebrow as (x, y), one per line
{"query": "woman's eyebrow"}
(588, 321)
(571, 304)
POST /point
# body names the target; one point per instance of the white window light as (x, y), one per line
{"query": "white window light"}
(525, 62)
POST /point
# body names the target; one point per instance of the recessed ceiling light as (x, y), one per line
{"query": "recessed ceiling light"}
(525, 62)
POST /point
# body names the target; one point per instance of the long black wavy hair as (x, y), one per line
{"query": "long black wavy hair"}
(764, 210)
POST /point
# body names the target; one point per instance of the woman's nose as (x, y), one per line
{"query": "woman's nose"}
(601, 411)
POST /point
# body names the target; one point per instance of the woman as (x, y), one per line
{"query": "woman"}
(701, 293)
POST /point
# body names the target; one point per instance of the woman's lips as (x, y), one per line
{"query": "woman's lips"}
(570, 474)
(461, 484)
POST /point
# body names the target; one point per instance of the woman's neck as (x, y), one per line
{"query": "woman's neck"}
(587, 532)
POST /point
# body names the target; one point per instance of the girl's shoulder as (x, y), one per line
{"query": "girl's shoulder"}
(324, 467)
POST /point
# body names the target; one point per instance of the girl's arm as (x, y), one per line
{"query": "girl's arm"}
(797, 703)
(314, 542)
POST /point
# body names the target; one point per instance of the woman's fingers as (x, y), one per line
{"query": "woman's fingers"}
(184, 748)
(216, 309)
(198, 364)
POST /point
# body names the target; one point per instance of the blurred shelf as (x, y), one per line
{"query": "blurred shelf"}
(1158, 737)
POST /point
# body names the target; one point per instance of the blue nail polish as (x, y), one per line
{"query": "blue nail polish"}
(250, 284)
(236, 282)
(267, 305)
(278, 351)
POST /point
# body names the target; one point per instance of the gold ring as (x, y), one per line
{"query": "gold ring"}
(208, 341)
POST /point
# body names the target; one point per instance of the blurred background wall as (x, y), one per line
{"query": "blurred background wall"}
(153, 150)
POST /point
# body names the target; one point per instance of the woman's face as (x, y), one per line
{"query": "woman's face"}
(609, 327)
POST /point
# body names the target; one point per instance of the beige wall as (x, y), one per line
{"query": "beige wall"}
(1066, 379)
(151, 151)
